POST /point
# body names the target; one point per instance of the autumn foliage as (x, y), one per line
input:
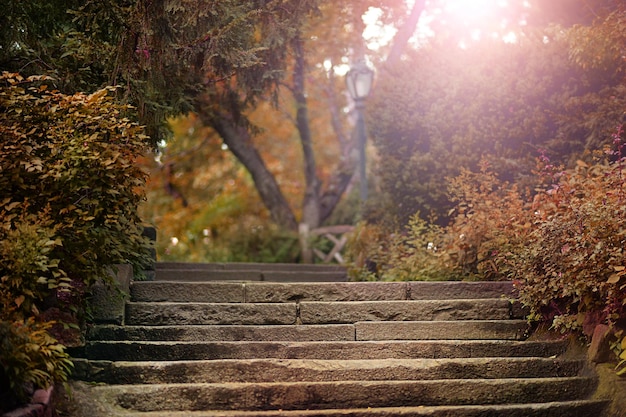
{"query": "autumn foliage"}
(68, 210)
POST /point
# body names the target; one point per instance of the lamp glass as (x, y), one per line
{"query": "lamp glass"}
(359, 81)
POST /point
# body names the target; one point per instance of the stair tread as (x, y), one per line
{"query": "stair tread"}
(255, 291)
(489, 381)
(551, 409)
(267, 370)
(348, 363)
(320, 395)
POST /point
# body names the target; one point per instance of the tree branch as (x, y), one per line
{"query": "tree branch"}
(405, 32)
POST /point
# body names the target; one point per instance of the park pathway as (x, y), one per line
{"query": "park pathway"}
(286, 340)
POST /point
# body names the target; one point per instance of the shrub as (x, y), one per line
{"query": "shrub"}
(72, 157)
(413, 253)
(366, 251)
(71, 190)
(572, 267)
(243, 240)
(492, 220)
(30, 359)
(29, 273)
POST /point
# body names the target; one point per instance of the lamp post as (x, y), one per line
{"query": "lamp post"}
(359, 83)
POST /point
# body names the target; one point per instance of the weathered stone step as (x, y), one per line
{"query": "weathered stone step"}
(202, 275)
(163, 351)
(443, 330)
(174, 271)
(319, 312)
(345, 394)
(552, 409)
(158, 314)
(302, 333)
(242, 266)
(299, 370)
(406, 330)
(315, 312)
(259, 292)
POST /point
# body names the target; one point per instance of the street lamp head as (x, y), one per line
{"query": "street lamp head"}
(359, 81)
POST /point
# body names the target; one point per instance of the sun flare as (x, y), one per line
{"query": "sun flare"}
(473, 12)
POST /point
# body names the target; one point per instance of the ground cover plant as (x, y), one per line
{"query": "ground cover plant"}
(68, 210)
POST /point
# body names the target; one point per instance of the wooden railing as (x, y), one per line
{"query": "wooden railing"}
(337, 235)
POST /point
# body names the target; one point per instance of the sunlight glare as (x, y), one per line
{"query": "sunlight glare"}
(376, 34)
(474, 20)
(510, 37)
(471, 12)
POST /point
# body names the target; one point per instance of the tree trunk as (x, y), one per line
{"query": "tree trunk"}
(239, 142)
(311, 202)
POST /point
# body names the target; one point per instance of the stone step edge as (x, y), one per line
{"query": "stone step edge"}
(230, 266)
(151, 372)
(384, 361)
(247, 291)
(552, 409)
(141, 351)
(155, 387)
(325, 395)
(316, 312)
(360, 331)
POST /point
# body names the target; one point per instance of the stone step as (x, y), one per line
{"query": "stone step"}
(406, 330)
(443, 330)
(314, 312)
(164, 351)
(552, 409)
(231, 333)
(203, 275)
(299, 370)
(263, 292)
(249, 266)
(320, 312)
(344, 394)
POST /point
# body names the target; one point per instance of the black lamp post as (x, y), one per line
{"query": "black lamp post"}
(359, 82)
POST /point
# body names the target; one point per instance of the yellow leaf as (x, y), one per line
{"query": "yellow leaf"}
(624, 344)
(613, 279)
(619, 268)
(19, 300)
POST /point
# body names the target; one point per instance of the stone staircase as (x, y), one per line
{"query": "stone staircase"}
(239, 340)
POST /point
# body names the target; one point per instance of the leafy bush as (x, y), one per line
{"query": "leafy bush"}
(29, 273)
(30, 359)
(71, 190)
(572, 267)
(366, 251)
(413, 253)
(72, 157)
(492, 220)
